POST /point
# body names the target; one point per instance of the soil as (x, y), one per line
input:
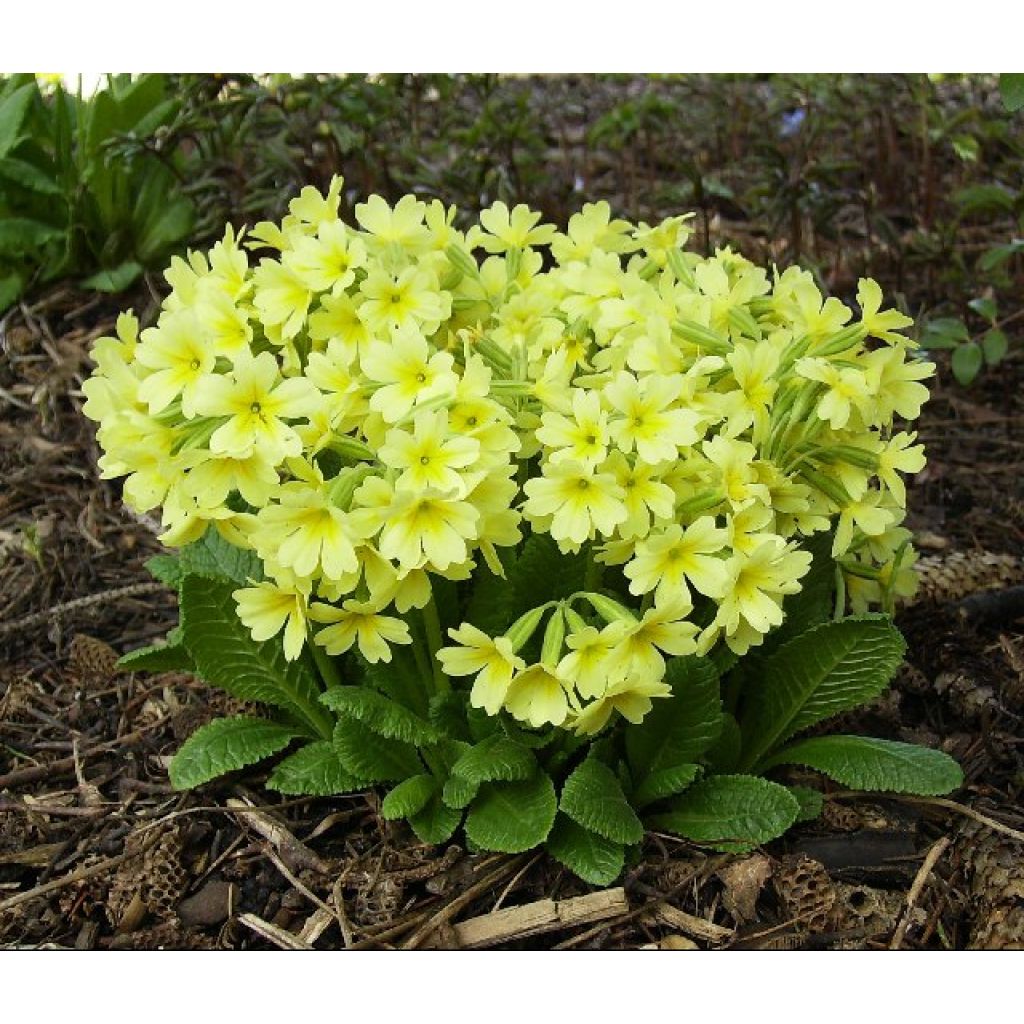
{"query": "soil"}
(97, 850)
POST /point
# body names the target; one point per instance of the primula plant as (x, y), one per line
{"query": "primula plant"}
(558, 536)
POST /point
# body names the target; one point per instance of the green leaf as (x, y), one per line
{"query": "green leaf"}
(20, 235)
(593, 798)
(166, 657)
(165, 568)
(226, 655)
(593, 858)
(409, 797)
(459, 792)
(372, 757)
(28, 176)
(436, 823)
(510, 817)
(212, 555)
(314, 770)
(10, 288)
(732, 812)
(113, 279)
(225, 745)
(985, 307)
(945, 332)
(983, 200)
(678, 730)
(13, 111)
(495, 759)
(1011, 88)
(664, 783)
(810, 800)
(380, 714)
(967, 362)
(995, 257)
(814, 602)
(864, 763)
(829, 669)
(994, 345)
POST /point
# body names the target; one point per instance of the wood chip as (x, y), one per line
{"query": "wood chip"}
(278, 936)
(688, 924)
(537, 918)
(294, 853)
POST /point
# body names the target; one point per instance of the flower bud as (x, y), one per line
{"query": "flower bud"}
(554, 637)
(461, 259)
(609, 609)
(703, 337)
(519, 633)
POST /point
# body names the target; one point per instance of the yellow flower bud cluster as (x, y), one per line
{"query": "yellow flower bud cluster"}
(371, 407)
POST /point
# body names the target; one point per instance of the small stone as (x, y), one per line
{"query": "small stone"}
(210, 906)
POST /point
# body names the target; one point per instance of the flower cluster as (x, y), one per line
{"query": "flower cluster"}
(370, 409)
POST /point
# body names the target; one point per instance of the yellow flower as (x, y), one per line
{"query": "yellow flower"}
(665, 561)
(267, 607)
(426, 526)
(257, 404)
(429, 457)
(401, 227)
(180, 359)
(633, 697)
(647, 423)
(408, 374)
(581, 502)
(536, 696)
(898, 457)
(411, 300)
(515, 229)
(585, 667)
(644, 494)
(662, 629)
(492, 661)
(329, 261)
(583, 438)
(756, 584)
(281, 297)
(848, 389)
(359, 622)
(880, 325)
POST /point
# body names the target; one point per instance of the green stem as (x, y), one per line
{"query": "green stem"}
(435, 641)
(594, 572)
(325, 664)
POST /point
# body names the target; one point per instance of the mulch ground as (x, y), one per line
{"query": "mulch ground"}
(97, 850)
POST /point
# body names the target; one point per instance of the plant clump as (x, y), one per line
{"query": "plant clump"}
(548, 530)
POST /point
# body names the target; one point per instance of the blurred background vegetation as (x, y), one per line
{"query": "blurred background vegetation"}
(914, 179)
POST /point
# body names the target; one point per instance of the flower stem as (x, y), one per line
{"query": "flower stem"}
(435, 641)
(325, 664)
(593, 573)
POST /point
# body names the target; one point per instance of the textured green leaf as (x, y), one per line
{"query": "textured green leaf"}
(165, 568)
(495, 759)
(678, 730)
(731, 812)
(829, 669)
(409, 797)
(459, 792)
(380, 714)
(436, 823)
(810, 800)
(593, 858)
(877, 765)
(212, 555)
(593, 798)
(664, 783)
(314, 770)
(401, 678)
(227, 656)
(372, 757)
(225, 745)
(510, 817)
(167, 657)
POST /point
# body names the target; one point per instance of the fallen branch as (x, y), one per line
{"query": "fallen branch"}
(293, 852)
(937, 850)
(278, 936)
(537, 918)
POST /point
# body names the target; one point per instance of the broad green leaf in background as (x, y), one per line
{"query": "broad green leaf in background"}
(967, 362)
(731, 812)
(994, 345)
(593, 858)
(436, 823)
(511, 817)
(114, 279)
(1011, 88)
(226, 655)
(314, 770)
(225, 745)
(666, 782)
(593, 798)
(13, 111)
(829, 669)
(871, 764)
